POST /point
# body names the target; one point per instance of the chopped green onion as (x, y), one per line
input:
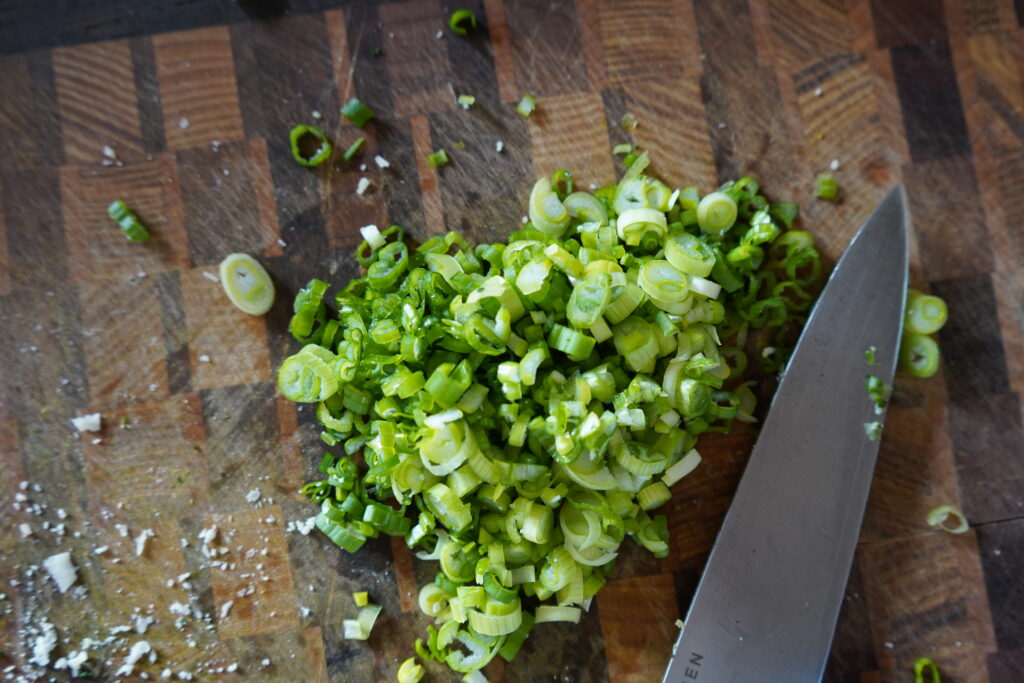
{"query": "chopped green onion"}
(879, 392)
(353, 149)
(461, 21)
(873, 430)
(526, 105)
(825, 187)
(438, 158)
(624, 148)
(716, 213)
(466, 101)
(247, 284)
(923, 665)
(547, 613)
(310, 147)
(521, 407)
(939, 518)
(628, 122)
(919, 355)
(869, 355)
(926, 313)
(360, 627)
(356, 112)
(129, 223)
(410, 671)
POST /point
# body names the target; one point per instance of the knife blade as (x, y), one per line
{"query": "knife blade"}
(767, 603)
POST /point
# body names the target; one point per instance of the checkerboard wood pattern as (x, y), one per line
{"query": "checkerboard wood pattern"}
(196, 100)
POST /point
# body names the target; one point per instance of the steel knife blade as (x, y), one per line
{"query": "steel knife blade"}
(767, 603)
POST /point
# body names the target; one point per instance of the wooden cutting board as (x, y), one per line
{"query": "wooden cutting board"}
(196, 100)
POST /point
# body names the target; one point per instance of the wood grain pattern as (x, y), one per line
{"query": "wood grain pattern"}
(930, 94)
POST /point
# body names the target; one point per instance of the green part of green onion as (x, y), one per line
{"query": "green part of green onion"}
(526, 105)
(353, 149)
(879, 392)
(926, 667)
(919, 355)
(825, 187)
(129, 223)
(465, 101)
(247, 284)
(926, 313)
(310, 147)
(624, 148)
(438, 158)
(869, 355)
(461, 21)
(357, 112)
(522, 407)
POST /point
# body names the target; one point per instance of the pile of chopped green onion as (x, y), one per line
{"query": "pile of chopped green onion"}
(523, 407)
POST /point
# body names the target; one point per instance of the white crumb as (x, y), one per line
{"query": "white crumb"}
(834, 164)
(499, 146)
(253, 496)
(25, 530)
(44, 644)
(225, 609)
(204, 358)
(381, 161)
(210, 276)
(183, 123)
(362, 186)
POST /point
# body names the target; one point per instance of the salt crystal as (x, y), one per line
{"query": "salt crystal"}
(61, 570)
(87, 423)
(134, 655)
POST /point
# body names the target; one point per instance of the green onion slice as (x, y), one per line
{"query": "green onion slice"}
(461, 21)
(939, 518)
(247, 284)
(310, 147)
(357, 112)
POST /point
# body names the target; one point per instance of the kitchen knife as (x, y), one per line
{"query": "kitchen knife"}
(767, 603)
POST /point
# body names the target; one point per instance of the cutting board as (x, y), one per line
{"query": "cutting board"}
(195, 101)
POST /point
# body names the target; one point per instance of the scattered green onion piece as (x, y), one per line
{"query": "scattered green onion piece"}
(299, 137)
(548, 613)
(926, 313)
(129, 223)
(939, 517)
(353, 149)
(465, 101)
(923, 665)
(438, 158)
(825, 187)
(410, 671)
(919, 355)
(247, 284)
(461, 21)
(361, 598)
(873, 430)
(624, 148)
(869, 355)
(879, 392)
(688, 463)
(526, 105)
(357, 112)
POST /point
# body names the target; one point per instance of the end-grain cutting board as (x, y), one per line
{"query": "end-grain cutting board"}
(195, 101)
